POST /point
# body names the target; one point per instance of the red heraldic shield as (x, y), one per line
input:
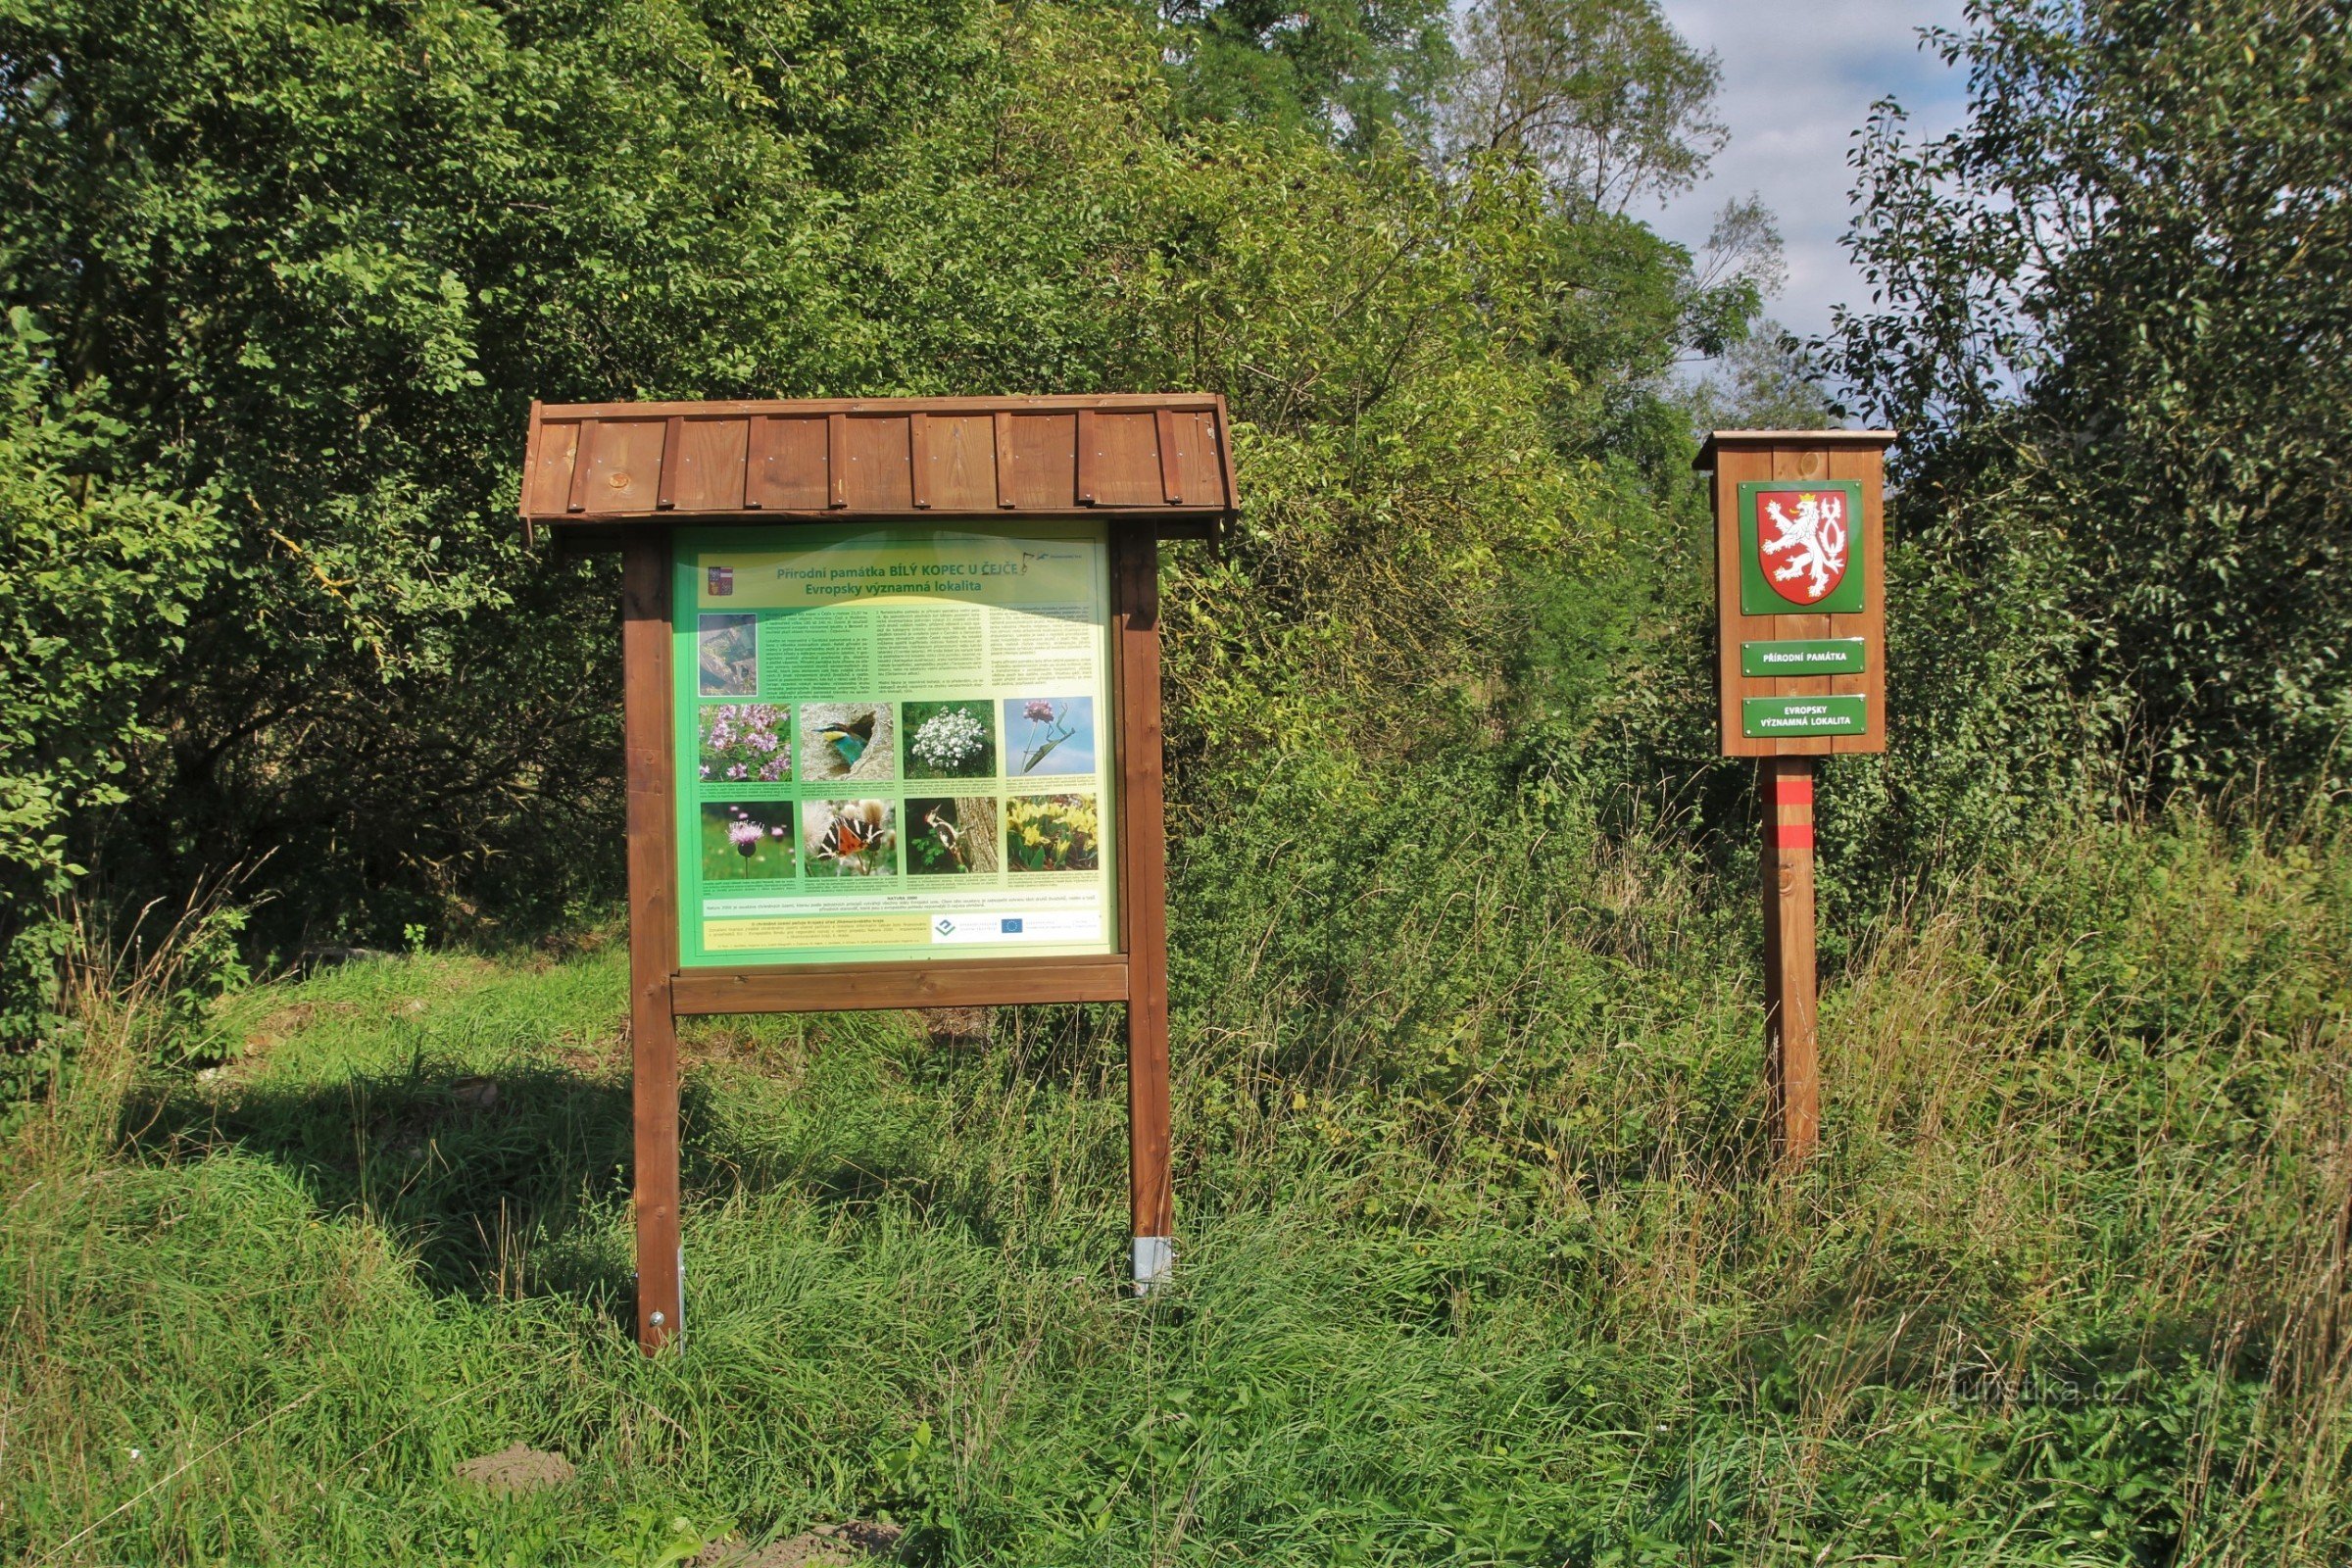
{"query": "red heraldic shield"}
(1801, 542)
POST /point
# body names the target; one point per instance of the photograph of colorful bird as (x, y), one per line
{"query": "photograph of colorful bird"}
(849, 740)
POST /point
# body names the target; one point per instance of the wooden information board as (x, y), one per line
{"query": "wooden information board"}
(890, 682)
(1800, 545)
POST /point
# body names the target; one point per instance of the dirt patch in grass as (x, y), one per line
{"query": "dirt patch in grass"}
(826, 1547)
(518, 1467)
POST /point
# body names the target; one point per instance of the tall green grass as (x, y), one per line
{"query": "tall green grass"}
(1483, 1259)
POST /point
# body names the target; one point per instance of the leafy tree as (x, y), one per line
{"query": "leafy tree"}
(1603, 96)
(1348, 68)
(2112, 316)
(1765, 381)
(324, 257)
(103, 572)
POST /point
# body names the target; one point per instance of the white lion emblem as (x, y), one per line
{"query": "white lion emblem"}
(1815, 538)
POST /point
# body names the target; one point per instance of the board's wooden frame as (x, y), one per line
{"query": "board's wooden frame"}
(660, 991)
(1739, 457)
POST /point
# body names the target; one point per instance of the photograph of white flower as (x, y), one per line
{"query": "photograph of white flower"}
(949, 740)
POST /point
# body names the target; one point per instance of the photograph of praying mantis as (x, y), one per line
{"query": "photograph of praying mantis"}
(1049, 736)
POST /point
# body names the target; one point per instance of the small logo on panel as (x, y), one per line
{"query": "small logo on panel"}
(723, 581)
(944, 926)
(1009, 925)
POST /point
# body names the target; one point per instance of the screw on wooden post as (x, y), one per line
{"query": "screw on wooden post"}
(1791, 1035)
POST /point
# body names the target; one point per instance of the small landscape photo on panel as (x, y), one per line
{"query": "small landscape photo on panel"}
(727, 655)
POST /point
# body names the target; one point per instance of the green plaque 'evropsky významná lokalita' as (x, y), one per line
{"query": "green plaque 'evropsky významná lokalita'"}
(1774, 717)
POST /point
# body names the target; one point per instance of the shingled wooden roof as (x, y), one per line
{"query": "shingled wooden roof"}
(594, 472)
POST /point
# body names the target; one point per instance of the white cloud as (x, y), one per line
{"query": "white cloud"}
(1797, 82)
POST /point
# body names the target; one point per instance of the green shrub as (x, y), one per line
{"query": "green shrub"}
(103, 572)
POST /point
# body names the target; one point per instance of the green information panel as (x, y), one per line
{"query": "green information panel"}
(1800, 547)
(1815, 656)
(894, 743)
(1778, 717)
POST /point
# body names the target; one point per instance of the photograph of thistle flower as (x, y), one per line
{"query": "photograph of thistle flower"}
(1047, 735)
(852, 838)
(949, 740)
(1052, 833)
(847, 740)
(727, 653)
(949, 836)
(746, 743)
(747, 839)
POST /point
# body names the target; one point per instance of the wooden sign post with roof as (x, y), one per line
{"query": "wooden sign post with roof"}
(1801, 665)
(891, 712)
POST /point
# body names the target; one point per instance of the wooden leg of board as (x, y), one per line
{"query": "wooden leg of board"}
(653, 935)
(1143, 899)
(1793, 1044)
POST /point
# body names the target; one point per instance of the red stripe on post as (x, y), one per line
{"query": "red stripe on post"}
(1792, 791)
(1789, 836)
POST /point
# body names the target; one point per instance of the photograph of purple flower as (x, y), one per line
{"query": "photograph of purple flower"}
(1049, 736)
(747, 839)
(746, 743)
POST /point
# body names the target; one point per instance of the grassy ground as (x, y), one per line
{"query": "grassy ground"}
(1482, 1261)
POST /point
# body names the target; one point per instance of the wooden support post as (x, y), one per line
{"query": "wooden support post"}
(1792, 1036)
(653, 930)
(1143, 899)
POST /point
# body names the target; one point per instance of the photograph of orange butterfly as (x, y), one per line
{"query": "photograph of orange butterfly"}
(851, 838)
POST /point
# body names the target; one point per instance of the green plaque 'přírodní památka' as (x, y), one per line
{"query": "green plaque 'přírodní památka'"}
(1777, 718)
(1811, 655)
(894, 743)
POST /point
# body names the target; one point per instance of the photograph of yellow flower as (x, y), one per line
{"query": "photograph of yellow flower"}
(1052, 833)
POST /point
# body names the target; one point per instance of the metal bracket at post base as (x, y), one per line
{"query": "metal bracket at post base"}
(1155, 1262)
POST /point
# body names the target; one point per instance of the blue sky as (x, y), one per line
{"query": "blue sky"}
(1798, 79)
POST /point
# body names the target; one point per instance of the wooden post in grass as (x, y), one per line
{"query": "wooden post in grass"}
(1151, 1200)
(812, 573)
(653, 933)
(1792, 1036)
(1801, 672)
